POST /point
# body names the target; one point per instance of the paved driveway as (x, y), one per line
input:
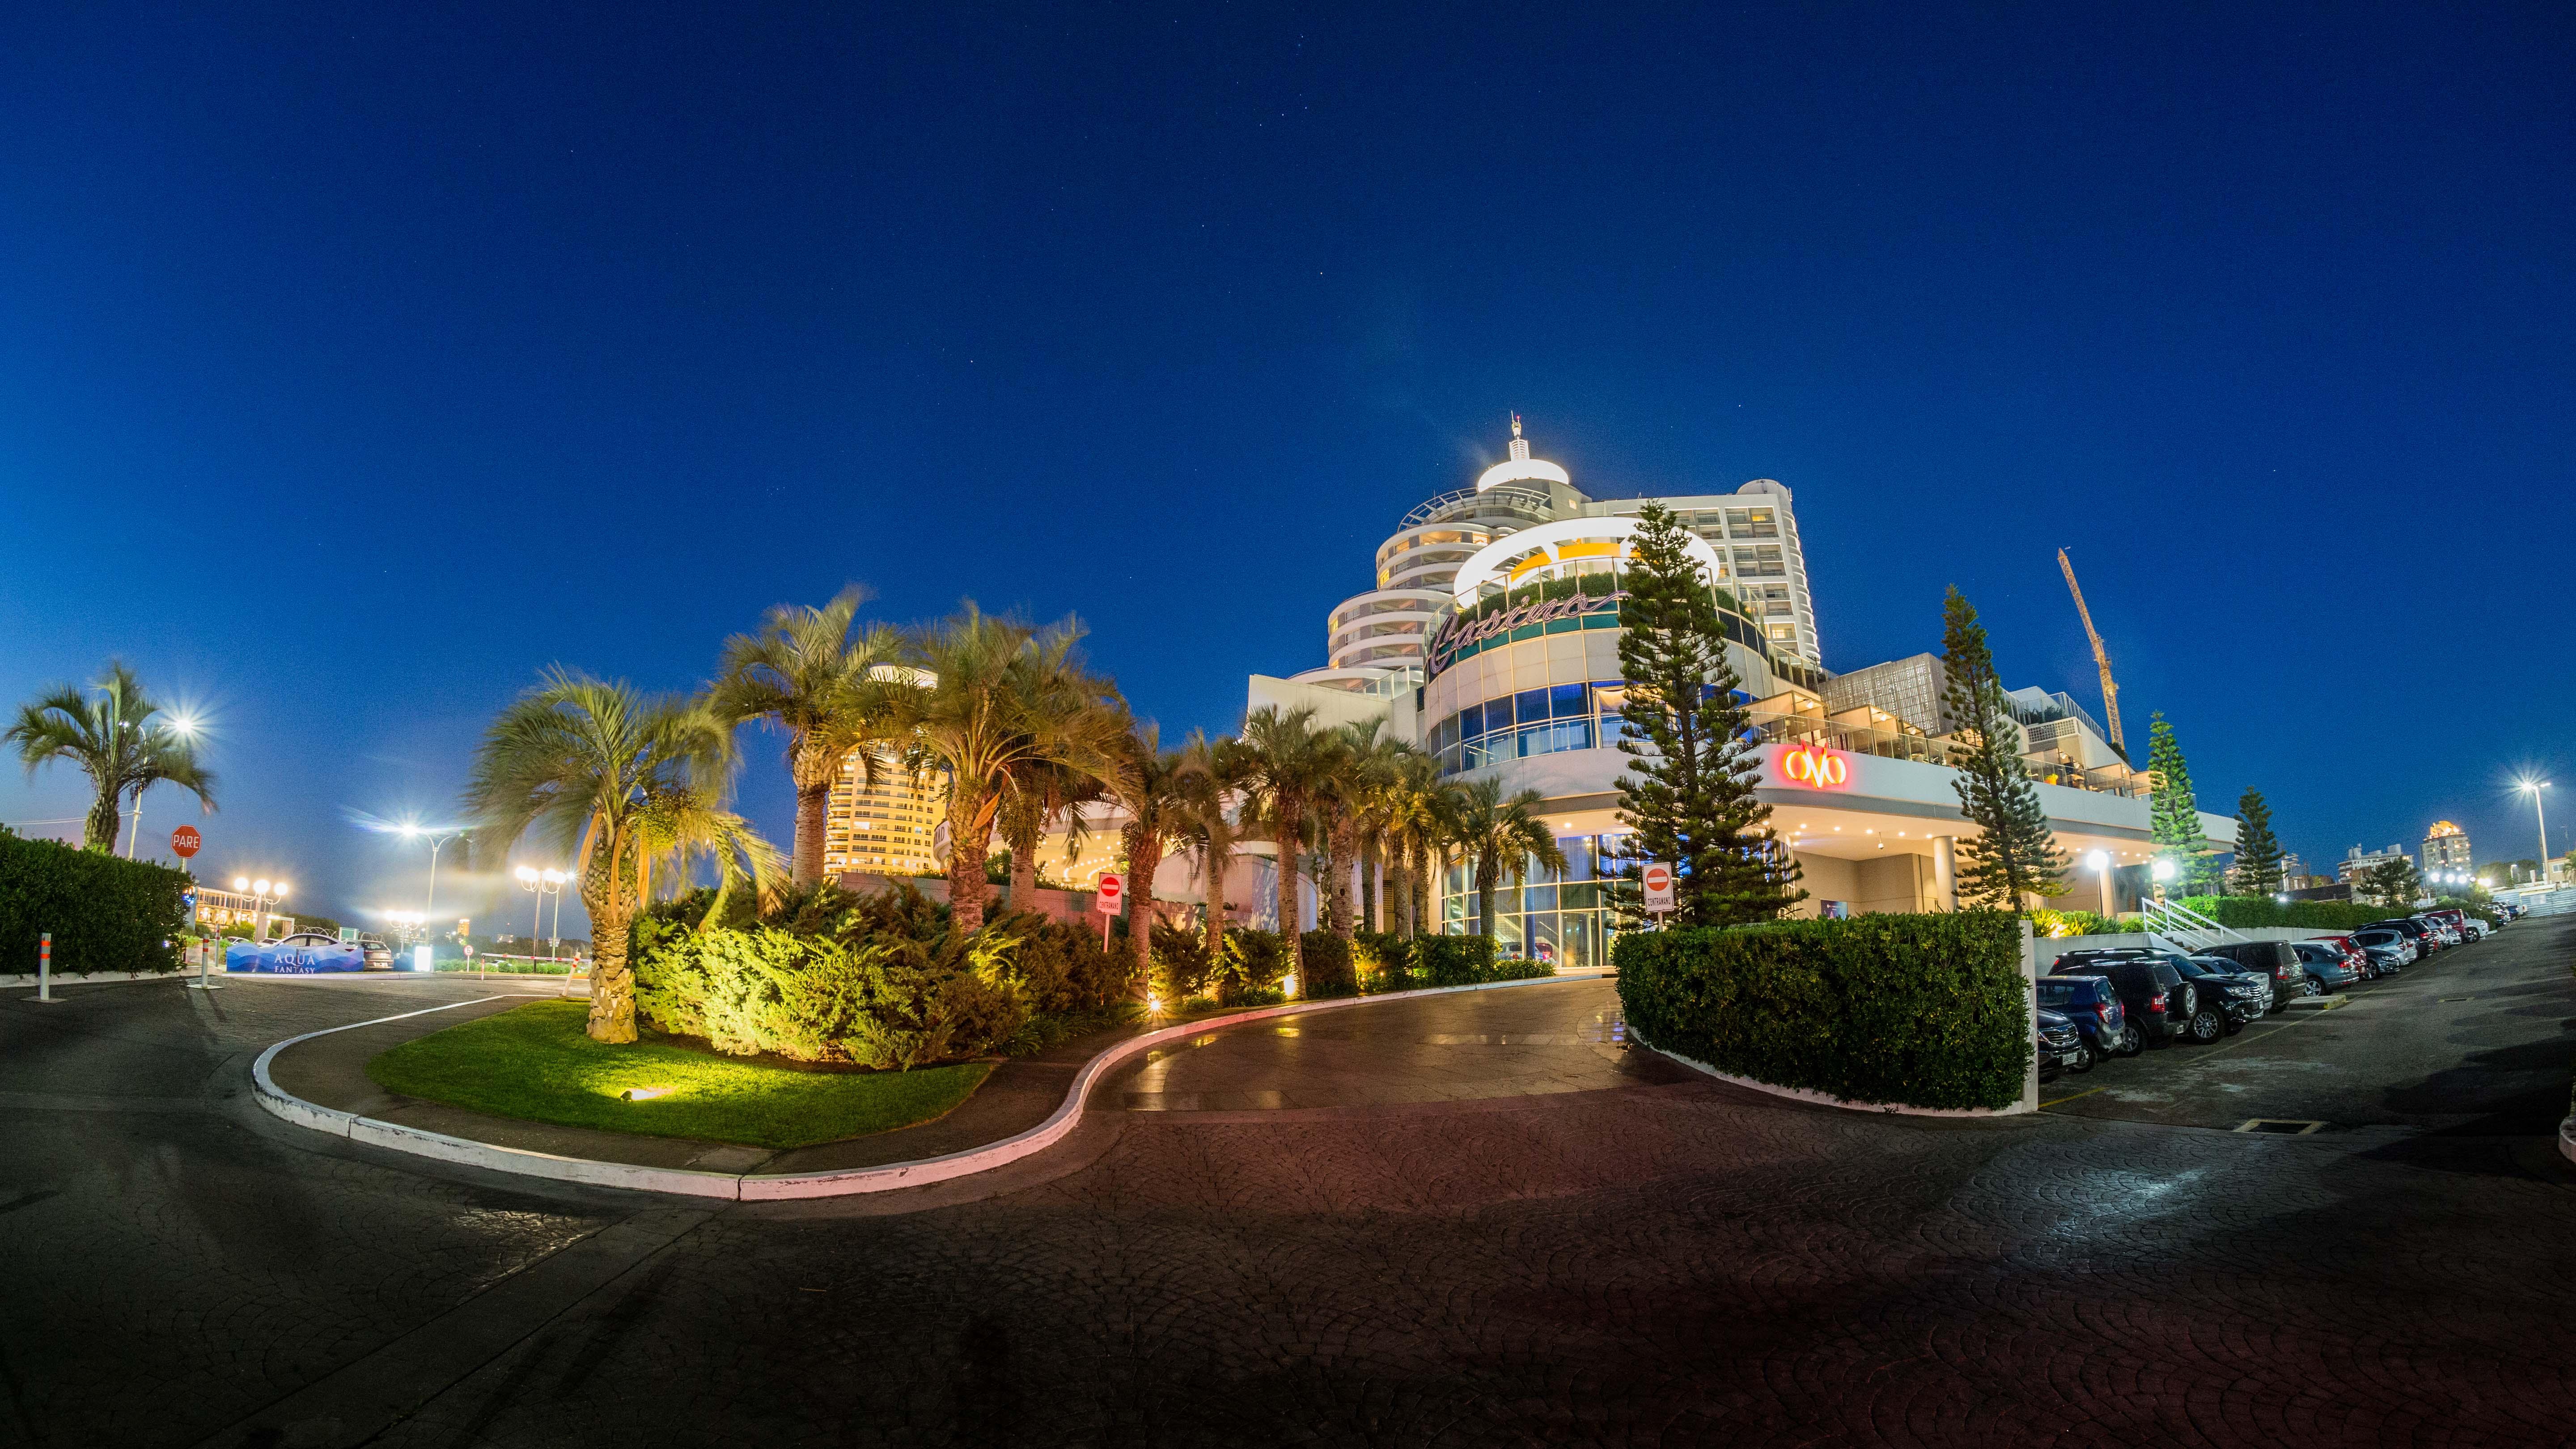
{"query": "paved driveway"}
(1542, 1241)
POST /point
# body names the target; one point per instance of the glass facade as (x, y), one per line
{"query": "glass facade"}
(1532, 722)
(1562, 917)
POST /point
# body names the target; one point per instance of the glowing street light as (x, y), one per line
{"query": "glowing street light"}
(2533, 788)
(2099, 862)
(184, 726)
(541, 884)
(438, 835)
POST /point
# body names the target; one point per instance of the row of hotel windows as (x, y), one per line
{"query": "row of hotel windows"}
(1562, 917)
(1534, 722)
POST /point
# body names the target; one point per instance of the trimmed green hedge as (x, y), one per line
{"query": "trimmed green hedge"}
(1920, 1010)
(1328, 970)
(1451, 960)
(106, 913)
(2297, 915)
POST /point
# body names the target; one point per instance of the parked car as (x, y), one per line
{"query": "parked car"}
(380, 957)
(2157, 1000)
(2353, 955)
(2389, 950)
(2094, 1007)
(2242, 995)
(2326, 967)
(2271, 959)
(2426, 939)
(305, 953)
(2061, 1046)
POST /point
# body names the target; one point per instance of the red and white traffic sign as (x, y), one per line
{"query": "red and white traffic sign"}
(185, 840)
(1659, 887)
(1109, 897)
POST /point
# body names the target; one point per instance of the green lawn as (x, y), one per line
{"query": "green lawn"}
(535, 1064)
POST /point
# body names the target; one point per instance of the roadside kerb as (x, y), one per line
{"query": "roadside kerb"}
(1827, 1099)
(752, 1187)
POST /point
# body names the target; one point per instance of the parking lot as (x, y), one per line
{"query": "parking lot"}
(2477, 1042)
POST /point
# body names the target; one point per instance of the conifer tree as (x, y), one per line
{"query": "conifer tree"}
(2173, 816)
(2393, 883)
(2016, 854)
(2258, 851)
(1688, 788)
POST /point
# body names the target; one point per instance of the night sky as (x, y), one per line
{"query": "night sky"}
(354, 366)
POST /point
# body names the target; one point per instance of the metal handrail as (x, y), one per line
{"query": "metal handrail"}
(1521, 498)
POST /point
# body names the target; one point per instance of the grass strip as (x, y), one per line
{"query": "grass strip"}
(534, 1063)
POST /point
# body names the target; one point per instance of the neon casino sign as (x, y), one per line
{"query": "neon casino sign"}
(1815, 767)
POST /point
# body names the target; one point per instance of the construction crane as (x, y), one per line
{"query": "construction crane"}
(2101, 656)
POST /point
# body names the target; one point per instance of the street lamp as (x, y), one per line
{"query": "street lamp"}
(2534, 787)
(2099, 862)
(263, 894)
(179, 724)
(540, 884)
(2163, 872)
(438, 836)
(556, 880)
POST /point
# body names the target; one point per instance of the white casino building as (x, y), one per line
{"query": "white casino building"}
(1491, 641)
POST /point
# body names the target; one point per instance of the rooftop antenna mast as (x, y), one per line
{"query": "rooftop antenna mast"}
(2101, 656)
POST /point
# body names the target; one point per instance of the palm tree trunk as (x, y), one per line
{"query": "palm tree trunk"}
(1426, 902)
(1485, 873)
(966, 851)
(100, 830)
(1024, 874)
(1368, 883)
(1287, 830)
(1337, 868)
(1215, 893)
(612, 982)
(811, 802)
(1400, 880)
(1144, 857)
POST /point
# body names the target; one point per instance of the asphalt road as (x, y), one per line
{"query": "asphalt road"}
(1469, 1220)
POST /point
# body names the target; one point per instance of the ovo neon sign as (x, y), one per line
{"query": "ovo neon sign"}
(1814, 766)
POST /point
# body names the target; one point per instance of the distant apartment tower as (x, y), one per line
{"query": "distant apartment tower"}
(2355, 864)
(2446, 847)
(882, 828)
(1374, 642)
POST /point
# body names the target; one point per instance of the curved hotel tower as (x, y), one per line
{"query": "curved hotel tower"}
(1492, 642)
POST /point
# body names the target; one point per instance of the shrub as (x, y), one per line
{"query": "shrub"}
(1924, 1010)
(1062, 969)
(1519, 970)
(106, 913)
(1254, 962)
(1181, 967)
(2071, 923)
(1451, 960)
(1328, 971)
(2297, 915)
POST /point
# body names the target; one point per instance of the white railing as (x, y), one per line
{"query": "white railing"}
(2187, 927)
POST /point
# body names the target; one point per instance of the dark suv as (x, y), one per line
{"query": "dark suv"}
(2158, 1001)
(2090, 1003)
(2242, 995)
(2274, 959)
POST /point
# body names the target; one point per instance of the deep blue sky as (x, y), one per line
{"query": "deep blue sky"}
(354, 366)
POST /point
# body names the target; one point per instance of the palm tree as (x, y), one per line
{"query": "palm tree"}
(1500, 835)
(1286, 763)
(1216, 772)
(997, 697)
(1350, 802)
(624, 782)
(1034, 793)
(115, 741)
(1152, 786)
(1418, 806)
(804, 673)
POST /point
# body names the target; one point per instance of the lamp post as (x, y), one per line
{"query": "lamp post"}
(181, 724)
(555, 881)
(437, 838)
(2099, 862)
(263, 894)
(539, 884)
(2534, 787)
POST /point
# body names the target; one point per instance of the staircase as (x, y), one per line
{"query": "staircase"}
(2182, 927)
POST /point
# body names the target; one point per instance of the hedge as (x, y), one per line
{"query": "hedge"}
(106, 913)
(2259, 911)
(1328, 969)
(1451, 960)
(1921, 1010)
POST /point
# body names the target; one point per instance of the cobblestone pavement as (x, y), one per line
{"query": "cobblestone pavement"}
(1618, 1254)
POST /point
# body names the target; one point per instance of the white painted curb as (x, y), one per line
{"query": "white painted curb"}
(2567, 1139)
(1802, 1094)
(750, 1187)
(99, 978)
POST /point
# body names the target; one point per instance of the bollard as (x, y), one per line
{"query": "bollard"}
(205, 960)
(45, 967)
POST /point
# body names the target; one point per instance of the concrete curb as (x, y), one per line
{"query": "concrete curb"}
(2567, 1139)
(750, 1187)
(99, 978)
(1821, 1099)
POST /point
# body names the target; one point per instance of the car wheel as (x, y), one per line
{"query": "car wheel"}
(2082, 1060)
(2308, 986)
(2206, 1025)
(2132, 1040)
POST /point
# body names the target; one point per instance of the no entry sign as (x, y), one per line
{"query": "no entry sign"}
(1659, 887)
(1109, 898)
(185, 840)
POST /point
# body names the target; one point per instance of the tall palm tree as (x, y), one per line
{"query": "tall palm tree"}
(805, 673)
(623, 781)
(996, 696)
(1286, 764)
(1207, 828)
(1417, 806)
(1035, 793)
(1363, 763)
(1499, 835)
(116, 741)
(1152, 787)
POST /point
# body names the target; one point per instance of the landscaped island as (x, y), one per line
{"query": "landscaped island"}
(536, 1063)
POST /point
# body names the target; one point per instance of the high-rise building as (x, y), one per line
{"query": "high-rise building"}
(1376, 642)
(2356, 864)
(2446, 847)
(882, 827)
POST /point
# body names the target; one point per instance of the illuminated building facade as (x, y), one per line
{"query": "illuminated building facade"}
(882, 827)
(2446, 848)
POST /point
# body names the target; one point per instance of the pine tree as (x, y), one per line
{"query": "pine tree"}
(1688, 788)
(2016, 854)
(2173, 816)
(2393, 883)
(2258, 851)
